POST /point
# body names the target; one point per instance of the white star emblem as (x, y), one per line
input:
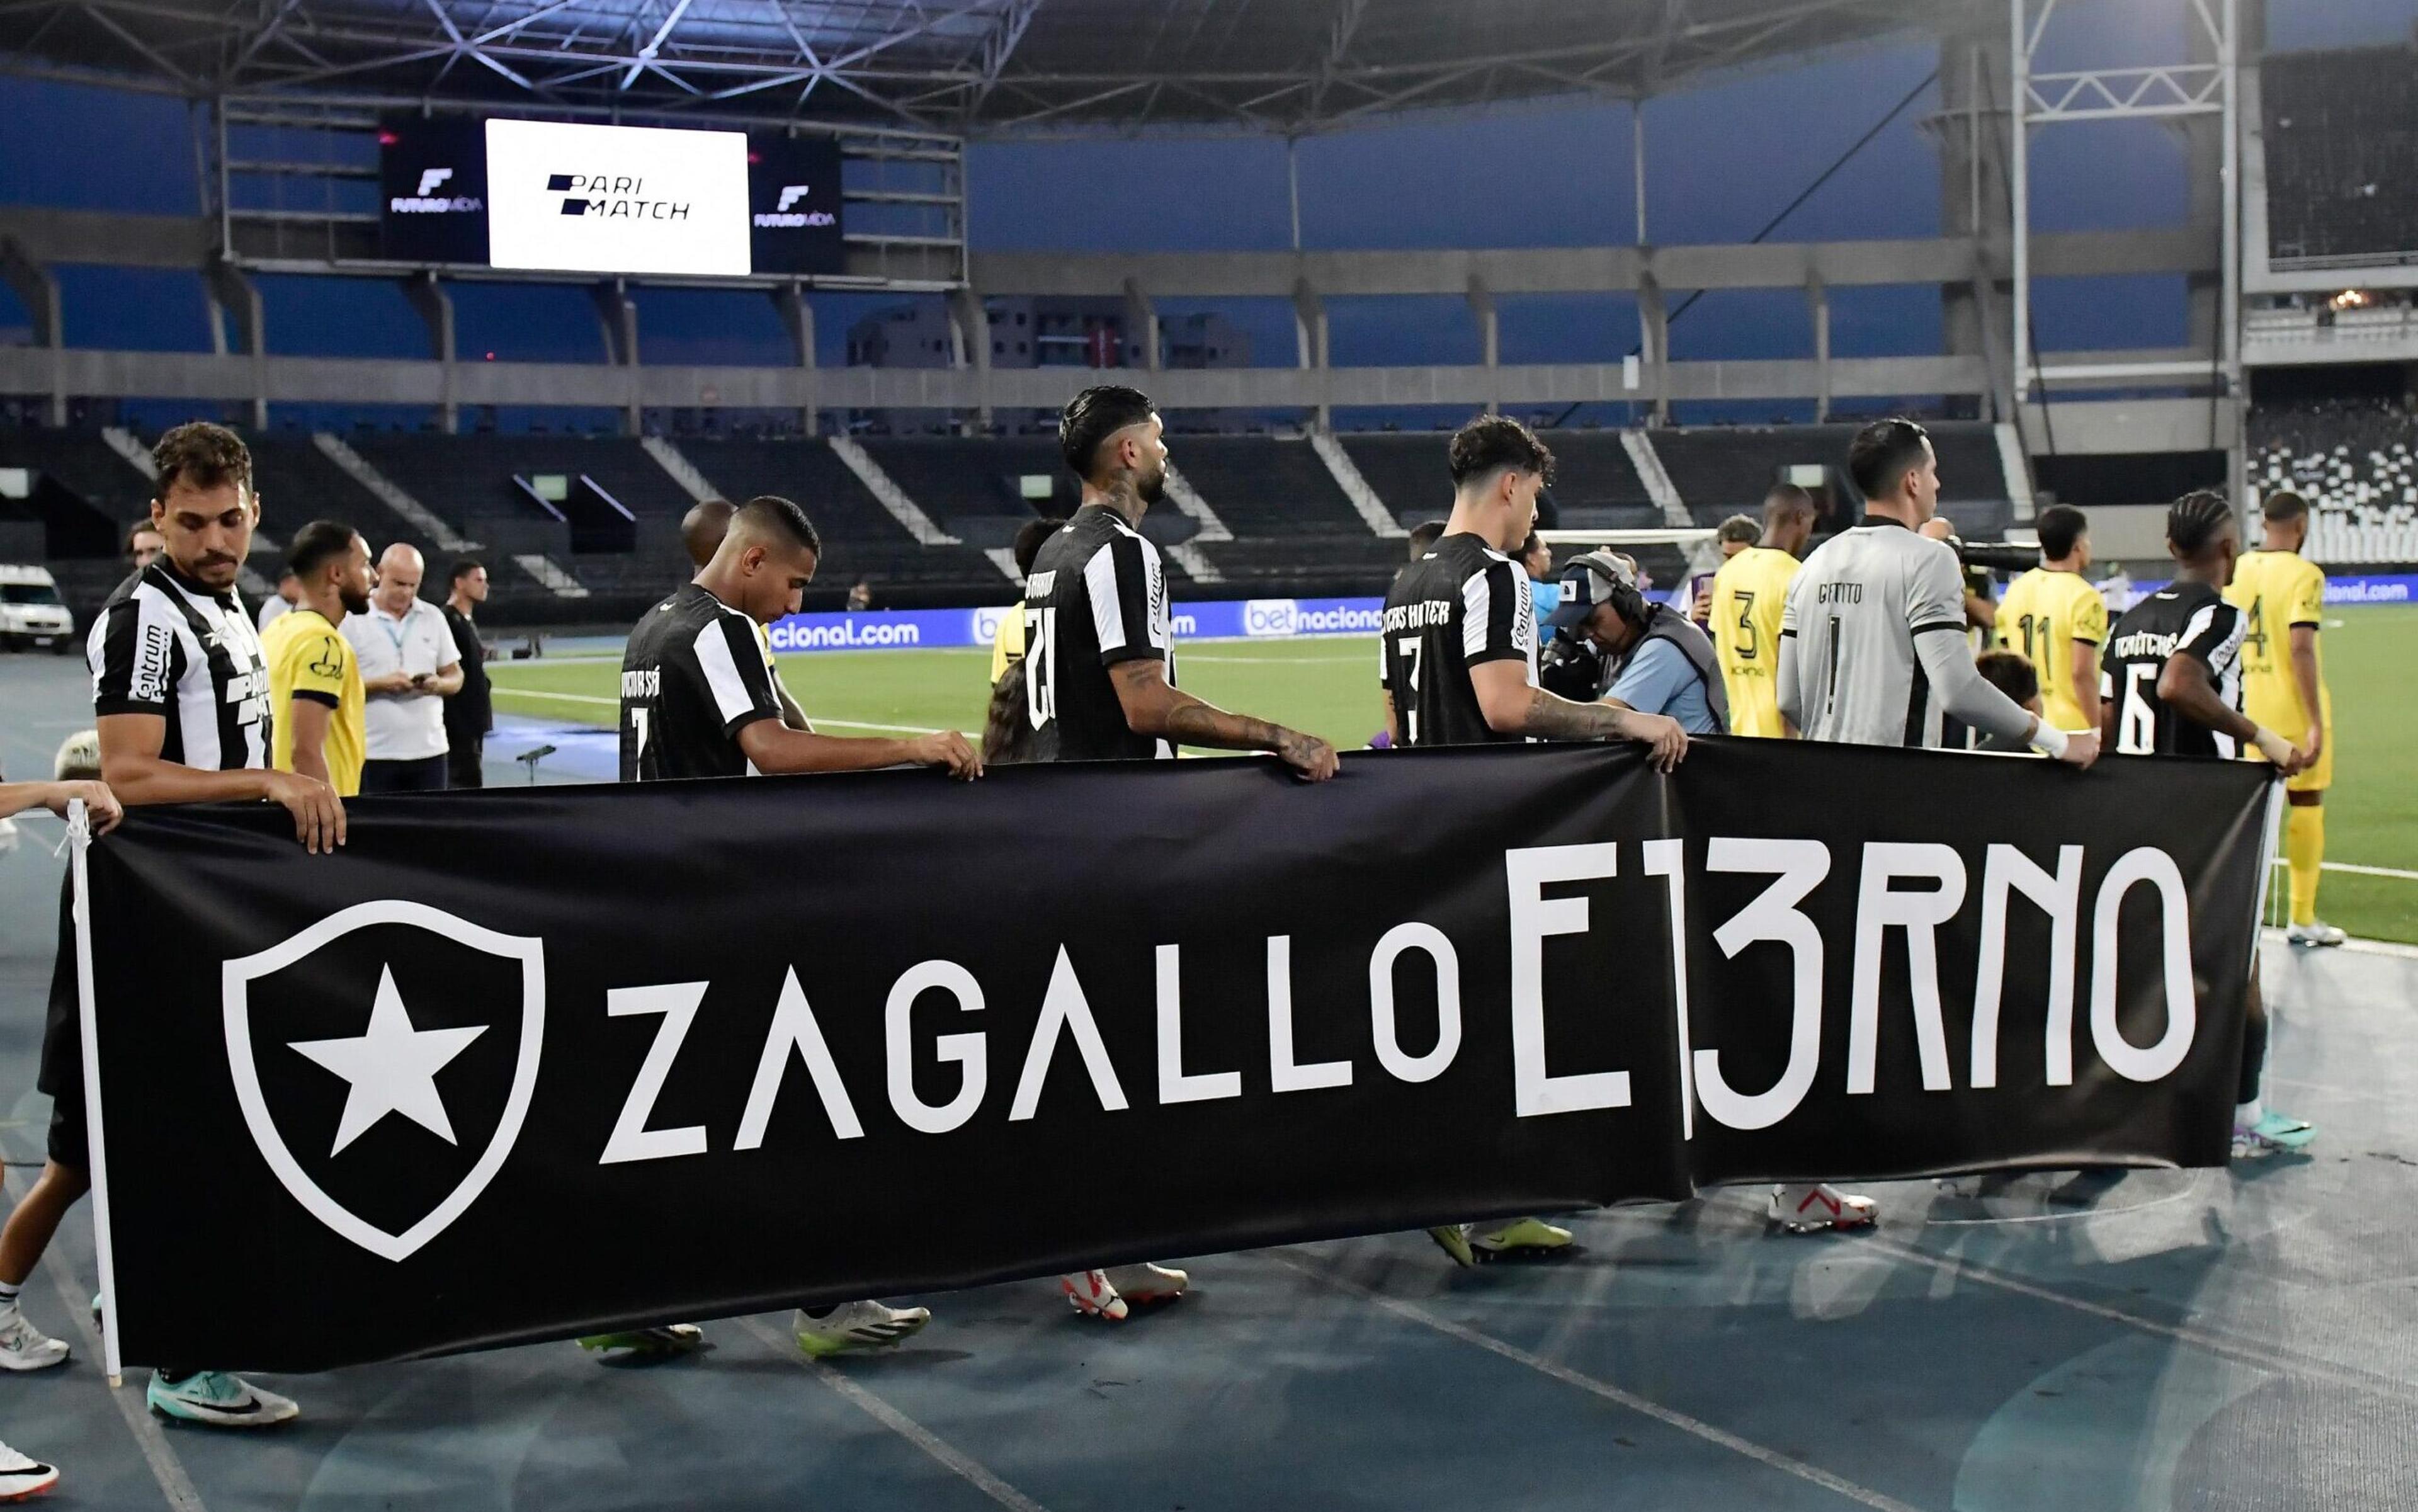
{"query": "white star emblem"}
(392, 1068)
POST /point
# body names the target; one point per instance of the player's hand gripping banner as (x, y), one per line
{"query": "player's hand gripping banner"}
(527, 1063)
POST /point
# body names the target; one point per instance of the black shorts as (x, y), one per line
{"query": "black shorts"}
(62, 1068)
(70, 1144)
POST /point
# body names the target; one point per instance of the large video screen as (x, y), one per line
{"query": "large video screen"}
(560, 196)
(616, 199)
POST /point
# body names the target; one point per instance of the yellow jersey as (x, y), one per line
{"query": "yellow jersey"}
(2277, 590)
(1008, 644)
(309, 659)
(2045, 614)
(1749, 593)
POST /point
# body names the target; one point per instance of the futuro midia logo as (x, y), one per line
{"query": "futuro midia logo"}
(430, 198)
(783, 218)
(394, 1086)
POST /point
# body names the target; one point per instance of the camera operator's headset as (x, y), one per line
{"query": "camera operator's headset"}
(1620, 587)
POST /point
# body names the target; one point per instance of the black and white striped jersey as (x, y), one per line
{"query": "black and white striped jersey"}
(692, 677)
(1096, 597)
(1461, 606)
(166, 645)
(2185, 617)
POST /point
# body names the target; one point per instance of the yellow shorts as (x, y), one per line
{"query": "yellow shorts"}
(2318, 778)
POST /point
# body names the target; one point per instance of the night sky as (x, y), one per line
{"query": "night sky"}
(1721, 159)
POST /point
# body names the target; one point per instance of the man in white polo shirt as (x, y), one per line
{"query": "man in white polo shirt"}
(410, 667)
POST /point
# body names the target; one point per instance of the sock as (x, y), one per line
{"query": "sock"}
(2246, 1115)
(8, 1297)
(2305, 849)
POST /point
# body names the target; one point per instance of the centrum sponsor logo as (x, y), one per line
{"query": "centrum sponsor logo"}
(847, 633)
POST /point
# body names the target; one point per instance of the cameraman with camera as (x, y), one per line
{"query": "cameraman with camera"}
(1613, 645)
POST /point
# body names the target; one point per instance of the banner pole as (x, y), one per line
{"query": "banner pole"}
(80, 841)
(2270, 832)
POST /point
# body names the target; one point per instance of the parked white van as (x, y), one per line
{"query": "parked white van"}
(31, 611)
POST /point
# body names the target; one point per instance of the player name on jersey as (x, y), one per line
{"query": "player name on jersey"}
(2181, 619)
(1461, 605)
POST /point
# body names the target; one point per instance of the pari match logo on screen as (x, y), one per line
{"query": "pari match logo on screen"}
(617, 199)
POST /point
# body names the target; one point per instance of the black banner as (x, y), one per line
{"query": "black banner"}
(527, 1063)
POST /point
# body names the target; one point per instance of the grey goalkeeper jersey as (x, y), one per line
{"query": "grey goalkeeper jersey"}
(1871, 644)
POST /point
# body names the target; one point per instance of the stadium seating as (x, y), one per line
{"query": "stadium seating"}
(1596, 484)
(2356, 462)
(2341, 129)
(861, 539)
(1725, 470)
(1337, 566)
(1266, 488)
(612, 527)
(83, 493)
(465, 477)
(936, 475)
(1407, 472)
(298, 484)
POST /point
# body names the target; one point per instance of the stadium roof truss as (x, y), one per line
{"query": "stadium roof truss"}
(959, 66)
(2204, 85)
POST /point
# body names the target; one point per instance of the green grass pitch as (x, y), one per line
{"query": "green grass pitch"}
(1329, 687)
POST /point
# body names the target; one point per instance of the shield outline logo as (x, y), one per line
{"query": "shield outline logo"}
(237, 977)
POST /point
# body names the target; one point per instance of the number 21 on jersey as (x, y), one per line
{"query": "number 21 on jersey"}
(1040, 663)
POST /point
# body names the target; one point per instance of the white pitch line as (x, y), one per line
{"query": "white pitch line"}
(1596, 1386)
(1184, 659)
(817, 720)
(500, 690)
(2272, 1358)
(175, 1484)
(2354, 946)
(965, 1466)
(2357, 870)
